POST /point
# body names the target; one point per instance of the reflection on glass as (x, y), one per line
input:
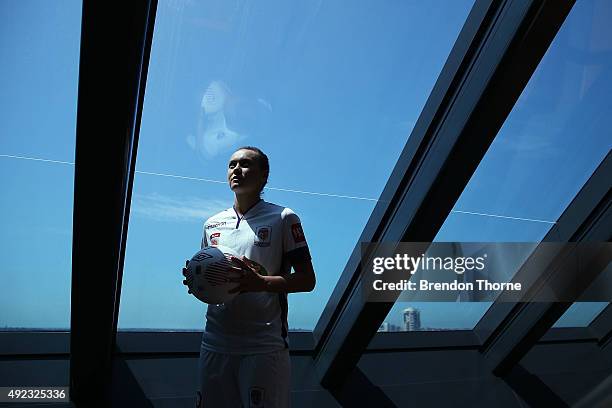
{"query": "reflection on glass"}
(554, 138)
(39, 50)
(330, 91)
(213, 135)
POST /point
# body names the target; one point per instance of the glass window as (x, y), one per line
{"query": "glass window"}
(330, 91)
(39, 50)
(552, 141)
(580, 314)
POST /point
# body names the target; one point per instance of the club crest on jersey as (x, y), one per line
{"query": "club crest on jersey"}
(298, 233)
(263, 236)
(214, 238)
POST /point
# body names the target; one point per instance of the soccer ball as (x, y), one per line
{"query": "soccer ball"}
(207, 274)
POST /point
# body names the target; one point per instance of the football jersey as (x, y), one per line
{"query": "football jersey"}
(254, 322)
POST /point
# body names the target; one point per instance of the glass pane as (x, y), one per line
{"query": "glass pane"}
(39, 50)
(317, 86)
(580, 314)
(554, 138)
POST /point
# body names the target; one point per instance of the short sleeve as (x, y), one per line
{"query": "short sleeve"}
(295, 247)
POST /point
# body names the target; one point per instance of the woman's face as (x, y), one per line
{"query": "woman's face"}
(214, 98)
(244, 173)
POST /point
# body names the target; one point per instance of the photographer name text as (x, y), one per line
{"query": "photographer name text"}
(425, 285)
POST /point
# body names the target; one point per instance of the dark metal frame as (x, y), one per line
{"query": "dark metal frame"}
(602, 327)
(518, 326)
(495, 54)
(115, 48)
(21, 344)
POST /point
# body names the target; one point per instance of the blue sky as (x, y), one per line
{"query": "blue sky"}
(329, 92)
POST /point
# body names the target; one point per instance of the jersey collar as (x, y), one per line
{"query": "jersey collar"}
(247, 212)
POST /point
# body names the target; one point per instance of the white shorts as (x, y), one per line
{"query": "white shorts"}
(244, 380)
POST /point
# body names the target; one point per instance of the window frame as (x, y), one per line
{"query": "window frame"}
(494, 56)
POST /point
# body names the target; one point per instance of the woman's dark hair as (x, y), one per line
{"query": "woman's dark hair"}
(264, 164)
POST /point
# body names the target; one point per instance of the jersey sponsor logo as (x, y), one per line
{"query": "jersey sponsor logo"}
(214, 238)
(298, 233)
(263, 236)
(215, 225)
(256, 397)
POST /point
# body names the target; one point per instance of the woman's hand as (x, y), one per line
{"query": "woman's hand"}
(249, 279)
(186, 282)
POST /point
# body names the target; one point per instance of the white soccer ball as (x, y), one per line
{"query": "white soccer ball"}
(207, 274)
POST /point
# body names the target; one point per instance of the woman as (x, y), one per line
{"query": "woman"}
(244, 359)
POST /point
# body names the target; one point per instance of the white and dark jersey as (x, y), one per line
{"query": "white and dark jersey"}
(254, 322)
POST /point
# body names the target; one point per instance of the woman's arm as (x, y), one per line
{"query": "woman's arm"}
(302, 280)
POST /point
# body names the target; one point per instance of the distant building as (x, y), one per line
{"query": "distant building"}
(388, 327)
(412, 319)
